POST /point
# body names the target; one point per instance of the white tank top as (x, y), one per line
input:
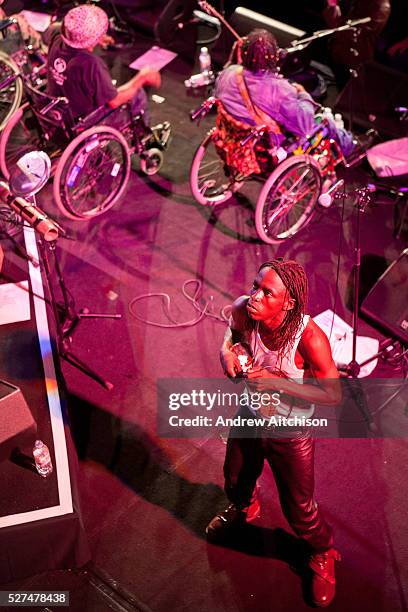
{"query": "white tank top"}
(265, 358)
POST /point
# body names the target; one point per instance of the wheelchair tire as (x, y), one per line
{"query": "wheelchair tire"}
(11, 94)
(288, 199)
(21, 135)
(208, 181)
(92, 173)
(151, 161)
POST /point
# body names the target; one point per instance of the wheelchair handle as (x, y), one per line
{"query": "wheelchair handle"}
(255, 134)
(6, 23)
(205, 108)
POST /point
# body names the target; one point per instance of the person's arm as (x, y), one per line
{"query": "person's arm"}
(126, 92)
(315, 350)
(237, 331)
(399, 47)
(298, 111)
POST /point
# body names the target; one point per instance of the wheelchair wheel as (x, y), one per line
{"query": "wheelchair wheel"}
(21, 135)
(151, 161)
(92, 173)
(208, 180)
(11, 89)
(288, 198)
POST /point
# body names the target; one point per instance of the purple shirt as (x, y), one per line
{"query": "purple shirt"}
(273, 94)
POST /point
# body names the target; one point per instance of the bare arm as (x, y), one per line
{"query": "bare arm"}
(127, 91)
(236, 332)
(315, 349)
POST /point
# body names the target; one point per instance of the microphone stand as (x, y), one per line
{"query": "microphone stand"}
(299, 45)
(363, 199)
(65, 316)
(352, 370)
(31, 174)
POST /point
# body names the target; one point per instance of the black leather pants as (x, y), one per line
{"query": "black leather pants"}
(292, 464)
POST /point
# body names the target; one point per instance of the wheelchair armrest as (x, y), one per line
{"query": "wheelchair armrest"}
(93, 117)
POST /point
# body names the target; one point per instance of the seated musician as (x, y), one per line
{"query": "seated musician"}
(253, 91)
(76, 72)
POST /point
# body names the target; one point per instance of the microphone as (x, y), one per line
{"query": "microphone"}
(34, 216)
(356, 22)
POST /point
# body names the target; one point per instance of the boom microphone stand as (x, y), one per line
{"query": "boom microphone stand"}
(32, 173)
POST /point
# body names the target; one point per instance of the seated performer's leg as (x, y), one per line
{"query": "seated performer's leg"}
(344, 139)
(139, 103)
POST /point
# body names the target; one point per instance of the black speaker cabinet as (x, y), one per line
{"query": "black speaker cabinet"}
(373, 96)
(387, 303)
(17, 426)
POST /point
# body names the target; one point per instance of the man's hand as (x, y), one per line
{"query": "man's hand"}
(230, 364)
(106, 40)
(399, 47)
(299, 88)
(150, 77)
(263, 380)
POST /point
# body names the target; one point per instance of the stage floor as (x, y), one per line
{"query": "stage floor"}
(146, 500)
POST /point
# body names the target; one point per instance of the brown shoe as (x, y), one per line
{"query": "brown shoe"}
(323, 580)
(229, 518)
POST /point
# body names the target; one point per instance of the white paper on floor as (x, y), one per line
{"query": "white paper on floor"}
(341, 342)
(14, 302)
(155, 58)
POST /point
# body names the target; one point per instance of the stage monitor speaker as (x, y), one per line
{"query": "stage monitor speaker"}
(387, 303)
(17, 426)
(375, 94)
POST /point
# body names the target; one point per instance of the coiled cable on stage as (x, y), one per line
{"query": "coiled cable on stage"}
(204, 310)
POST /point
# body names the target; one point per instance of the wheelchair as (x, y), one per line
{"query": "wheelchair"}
(90, 157)
(294, 173)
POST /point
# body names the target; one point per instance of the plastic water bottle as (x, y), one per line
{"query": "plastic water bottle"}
(328, 113)
(200, 79)
(42, 458)
(338, 120)
(204, 60)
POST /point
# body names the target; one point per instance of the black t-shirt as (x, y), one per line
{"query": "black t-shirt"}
(79, 75)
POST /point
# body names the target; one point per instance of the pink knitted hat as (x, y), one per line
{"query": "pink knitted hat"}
(84, 26)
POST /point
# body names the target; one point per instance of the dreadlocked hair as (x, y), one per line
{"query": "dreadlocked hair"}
(294, 278)
(260, 51)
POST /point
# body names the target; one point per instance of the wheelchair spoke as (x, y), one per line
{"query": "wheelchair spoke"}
(290, 201)
(10, 89)
(93, 176)
(24, 137)
(210, 183)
